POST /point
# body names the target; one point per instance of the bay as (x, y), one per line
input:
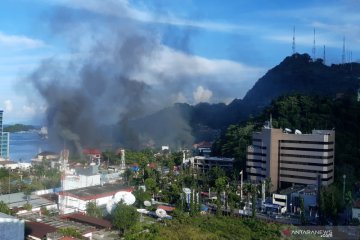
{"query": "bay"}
(26, 145)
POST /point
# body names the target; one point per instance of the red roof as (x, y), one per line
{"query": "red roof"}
(90, 220)
(67, 238)
(91, 151)
(166, 208)
(38, 229)
(152, 165)
(203, 145)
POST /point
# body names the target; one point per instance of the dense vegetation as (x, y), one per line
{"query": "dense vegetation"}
(206, 227)
(18, 128)
(304, 113)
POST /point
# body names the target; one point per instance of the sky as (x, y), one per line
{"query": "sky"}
(221, 47)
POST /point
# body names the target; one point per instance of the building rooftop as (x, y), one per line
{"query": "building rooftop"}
(17, 200)
(91, 151)
(8, 218)
(86, 219)
(38, 229)
(57, 223)
(95, 192)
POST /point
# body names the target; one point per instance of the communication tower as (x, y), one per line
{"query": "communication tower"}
(293, 42)
(343, 52)
(314, 48)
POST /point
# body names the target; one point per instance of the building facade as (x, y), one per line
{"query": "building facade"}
(4, 140)
(203, 163)
(289, 159)
(11, 228)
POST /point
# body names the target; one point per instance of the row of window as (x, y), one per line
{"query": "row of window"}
(308, 149)
(308, 164)
(256, 161)
(258, 147)
(256, 154)
(305, 170)
(256, 174)
(302, 177)
(306, 142)
(305, 156)
(257, 167)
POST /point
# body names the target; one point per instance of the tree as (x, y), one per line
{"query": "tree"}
(151, 185)
(27, 206)
(220, 185)
(70, 232)
(124, 217)
(93, 210)
(4, 208)
(128, 175)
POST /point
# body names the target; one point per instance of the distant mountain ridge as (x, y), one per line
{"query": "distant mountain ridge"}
(295, 74)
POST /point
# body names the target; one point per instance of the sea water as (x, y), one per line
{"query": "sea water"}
(26, 145)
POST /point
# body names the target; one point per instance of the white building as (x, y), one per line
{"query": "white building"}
(11, 228)
(76, 200)
(14, 165)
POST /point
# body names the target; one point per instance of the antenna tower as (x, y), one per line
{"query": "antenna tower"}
(324, 55)
(314, 48)
(293, 42)
(343, 52)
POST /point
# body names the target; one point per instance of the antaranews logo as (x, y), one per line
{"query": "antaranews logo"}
(286, 232)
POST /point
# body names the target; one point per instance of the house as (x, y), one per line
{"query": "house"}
(92, 154)
(38, 230)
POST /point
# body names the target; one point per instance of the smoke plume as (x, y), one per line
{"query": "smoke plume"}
(103, 82)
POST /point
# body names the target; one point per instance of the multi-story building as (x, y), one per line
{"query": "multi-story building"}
(4, 140)
(203, 163)
(289, 159)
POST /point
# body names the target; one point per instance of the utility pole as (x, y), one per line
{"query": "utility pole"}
(241, 185)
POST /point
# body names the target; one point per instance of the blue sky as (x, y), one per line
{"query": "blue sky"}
(221, 47)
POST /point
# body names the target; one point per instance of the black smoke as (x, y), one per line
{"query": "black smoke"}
(91, 93)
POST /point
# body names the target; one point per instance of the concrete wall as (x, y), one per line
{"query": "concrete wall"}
(80, 181)
(11, 228)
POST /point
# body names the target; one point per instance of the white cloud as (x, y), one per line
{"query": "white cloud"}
(172, 64)
(8, 105)
(123, 9)
(202, 94)
(20, 42)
